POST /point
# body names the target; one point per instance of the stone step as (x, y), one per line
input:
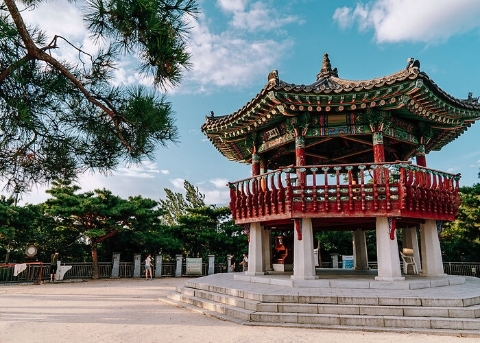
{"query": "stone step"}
(370, 321)
(340, 299)
(355, 306)
(227, 310)
(331, 320)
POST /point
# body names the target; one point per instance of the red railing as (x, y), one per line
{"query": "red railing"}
(391, 189)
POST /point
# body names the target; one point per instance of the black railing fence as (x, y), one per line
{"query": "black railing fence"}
(37, 272)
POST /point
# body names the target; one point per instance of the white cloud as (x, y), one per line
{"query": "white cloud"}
(146, 170)
(219, 183)
(235, 56)
(228, 59)
(178, 183)
(260, 17)
(57, 18)
(217, 197)
(427, 21)
(165, 171)
(232, 6)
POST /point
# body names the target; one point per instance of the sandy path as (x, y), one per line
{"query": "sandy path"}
(128, 311)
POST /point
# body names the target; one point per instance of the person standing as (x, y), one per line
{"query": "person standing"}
(148, 267)
(245, 262)
(53, 266)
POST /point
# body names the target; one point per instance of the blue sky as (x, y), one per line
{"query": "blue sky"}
(236, 43)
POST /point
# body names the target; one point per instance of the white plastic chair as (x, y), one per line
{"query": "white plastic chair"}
(408, 260)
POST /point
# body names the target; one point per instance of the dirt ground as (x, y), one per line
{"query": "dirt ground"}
(129, 311)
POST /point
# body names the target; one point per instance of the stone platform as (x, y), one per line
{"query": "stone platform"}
(338, 300)
(350, 279)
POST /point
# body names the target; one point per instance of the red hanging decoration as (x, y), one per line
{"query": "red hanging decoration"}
(298, 226)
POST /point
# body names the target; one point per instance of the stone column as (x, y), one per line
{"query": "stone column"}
(178, 267)
(360, 257)
(388, 256)
(303, 263)
(229, 263)
(432, 264)
(116, 265)
(255, 250)
(158, 265)
(410, 245)
(211, 264)
(137, 265)
(267, 250)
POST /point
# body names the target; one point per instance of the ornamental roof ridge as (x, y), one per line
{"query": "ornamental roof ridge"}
(328, 82)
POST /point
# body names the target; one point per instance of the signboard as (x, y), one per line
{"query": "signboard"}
(194, 266)
(347, 261)
(315, 257)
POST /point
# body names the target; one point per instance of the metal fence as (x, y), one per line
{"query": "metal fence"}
(37, 271)
(462, 268)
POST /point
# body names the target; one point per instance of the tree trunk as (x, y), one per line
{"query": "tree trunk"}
(94, 259)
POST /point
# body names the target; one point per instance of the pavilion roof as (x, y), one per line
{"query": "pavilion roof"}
(409, 94)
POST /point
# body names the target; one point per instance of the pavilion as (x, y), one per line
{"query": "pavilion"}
(341, 154)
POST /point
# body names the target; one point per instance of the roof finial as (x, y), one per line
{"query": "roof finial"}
(326, 66)
(326, 70)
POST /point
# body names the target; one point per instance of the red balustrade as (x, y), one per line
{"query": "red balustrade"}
(397, 189)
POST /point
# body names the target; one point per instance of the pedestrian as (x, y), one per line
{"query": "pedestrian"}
(53, 266)
(244, 262)
(148, 267)
(233, 263)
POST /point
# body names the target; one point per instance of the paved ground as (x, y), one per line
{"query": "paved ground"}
(128, 311)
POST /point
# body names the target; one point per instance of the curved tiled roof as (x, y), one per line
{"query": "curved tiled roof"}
(408, 88)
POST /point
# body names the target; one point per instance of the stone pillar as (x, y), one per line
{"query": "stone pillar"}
(388, 256)
(267, 250)
(178, 267)
(229, 263)
(137, 265)
(360, 256)
(116, 265)
(211, 264)
(303, 263)
(57, 274)
(432, 264)
(255, 250)
(410, 245)
(158, 265)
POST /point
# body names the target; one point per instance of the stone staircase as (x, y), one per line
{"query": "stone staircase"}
(251, 304)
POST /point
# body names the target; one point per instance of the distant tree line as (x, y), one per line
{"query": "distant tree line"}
(90, 226)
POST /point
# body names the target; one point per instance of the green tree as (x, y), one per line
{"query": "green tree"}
(8, 215)
(149, 236)
(176, 205)
(98, 215)
(209, 230)
(62, 117)
(19, 228)
(460, 239)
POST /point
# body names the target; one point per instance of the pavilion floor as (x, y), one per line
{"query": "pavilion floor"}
(350, 279)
